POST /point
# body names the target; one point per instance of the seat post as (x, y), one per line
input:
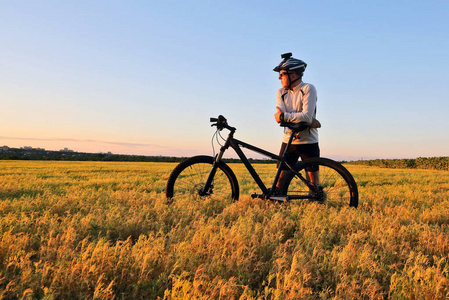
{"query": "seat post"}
(282, 163)
(290, 140)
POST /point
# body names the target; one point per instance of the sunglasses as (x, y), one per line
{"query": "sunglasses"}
(283, 74)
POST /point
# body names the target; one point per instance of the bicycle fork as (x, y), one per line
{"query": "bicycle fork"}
(208, 185)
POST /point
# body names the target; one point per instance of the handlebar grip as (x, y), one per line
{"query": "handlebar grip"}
(220, 119)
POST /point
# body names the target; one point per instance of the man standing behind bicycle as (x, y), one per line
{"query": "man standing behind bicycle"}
(296, 102)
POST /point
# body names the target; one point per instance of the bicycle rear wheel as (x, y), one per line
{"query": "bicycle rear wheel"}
(336, 186)
(189, 177)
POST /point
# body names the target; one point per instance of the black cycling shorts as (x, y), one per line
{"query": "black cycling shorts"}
(295, 151)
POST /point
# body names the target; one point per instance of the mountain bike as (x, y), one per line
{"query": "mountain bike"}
(207, 176)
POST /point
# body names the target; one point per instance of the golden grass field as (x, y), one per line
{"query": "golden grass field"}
(103, 230)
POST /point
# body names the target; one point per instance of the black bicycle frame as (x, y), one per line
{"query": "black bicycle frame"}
(235, 144)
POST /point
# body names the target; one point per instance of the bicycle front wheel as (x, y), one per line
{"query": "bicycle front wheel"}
(334, 184)
(189, 178)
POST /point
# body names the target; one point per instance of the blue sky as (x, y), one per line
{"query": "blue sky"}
(143, 77)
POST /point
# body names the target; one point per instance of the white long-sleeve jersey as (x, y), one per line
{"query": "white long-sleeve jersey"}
(299, 105)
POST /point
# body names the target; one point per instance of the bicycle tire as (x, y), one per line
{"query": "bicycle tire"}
(189, 177)
(337, 185)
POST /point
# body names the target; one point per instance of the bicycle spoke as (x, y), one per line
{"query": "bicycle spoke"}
(192, 178)
(334, 186)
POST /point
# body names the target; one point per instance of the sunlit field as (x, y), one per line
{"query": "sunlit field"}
(85, 230)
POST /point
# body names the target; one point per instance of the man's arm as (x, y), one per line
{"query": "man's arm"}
(279, 103)
(308, 107)
(277, 115)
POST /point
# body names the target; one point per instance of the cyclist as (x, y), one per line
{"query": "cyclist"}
(296, 102)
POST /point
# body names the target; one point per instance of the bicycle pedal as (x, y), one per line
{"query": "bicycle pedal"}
(280, 198)
(258, 196)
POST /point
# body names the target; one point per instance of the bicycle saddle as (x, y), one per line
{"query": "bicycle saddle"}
(296, 127)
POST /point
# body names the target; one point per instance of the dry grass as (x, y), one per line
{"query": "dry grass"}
(92, 230)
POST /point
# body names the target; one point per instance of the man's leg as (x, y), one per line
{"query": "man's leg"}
(311, 151)
(314, 177)
(292, 157)
(282, 178)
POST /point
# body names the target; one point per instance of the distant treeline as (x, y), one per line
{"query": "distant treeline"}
(77, 156)
(40, 154)
(434, 163)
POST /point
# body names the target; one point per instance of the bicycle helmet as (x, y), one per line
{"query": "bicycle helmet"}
(291, 64)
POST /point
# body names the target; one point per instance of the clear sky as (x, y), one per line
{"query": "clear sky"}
(143, 77)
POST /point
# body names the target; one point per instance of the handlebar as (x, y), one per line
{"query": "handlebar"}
(222, 123)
